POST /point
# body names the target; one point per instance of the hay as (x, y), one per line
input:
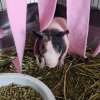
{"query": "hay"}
(78, 79)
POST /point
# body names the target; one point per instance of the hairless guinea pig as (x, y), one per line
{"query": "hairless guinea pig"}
(52, 44)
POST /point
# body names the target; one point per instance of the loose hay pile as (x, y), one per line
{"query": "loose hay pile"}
(78, 79)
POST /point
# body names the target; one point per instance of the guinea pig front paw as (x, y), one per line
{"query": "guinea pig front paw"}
(61, 63)
(42, 64)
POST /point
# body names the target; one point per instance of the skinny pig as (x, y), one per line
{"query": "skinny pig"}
(52, 44)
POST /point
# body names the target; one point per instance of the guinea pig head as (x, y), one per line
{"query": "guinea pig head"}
(52, 45)
(43, 41)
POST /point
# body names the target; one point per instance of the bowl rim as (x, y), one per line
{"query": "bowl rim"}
(43, 87)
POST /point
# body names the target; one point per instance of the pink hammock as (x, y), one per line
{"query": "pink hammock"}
(77, 23)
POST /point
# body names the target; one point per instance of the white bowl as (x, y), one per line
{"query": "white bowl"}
(26, 80)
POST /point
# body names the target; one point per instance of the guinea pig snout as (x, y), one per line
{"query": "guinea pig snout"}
(51, 64)
(51, 59)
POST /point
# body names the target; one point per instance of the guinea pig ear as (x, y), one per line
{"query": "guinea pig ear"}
(62, 33)
(38, 34)
(67, 32)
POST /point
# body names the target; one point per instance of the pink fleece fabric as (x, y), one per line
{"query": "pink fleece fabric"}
(46, 12)
(16, 10)
(78, 12)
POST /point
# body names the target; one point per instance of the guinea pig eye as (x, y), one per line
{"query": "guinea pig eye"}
(58, 46)
(42, 46)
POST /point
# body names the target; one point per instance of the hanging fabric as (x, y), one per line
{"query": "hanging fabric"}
(46, 12)
(16, 10)
(78, 12)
